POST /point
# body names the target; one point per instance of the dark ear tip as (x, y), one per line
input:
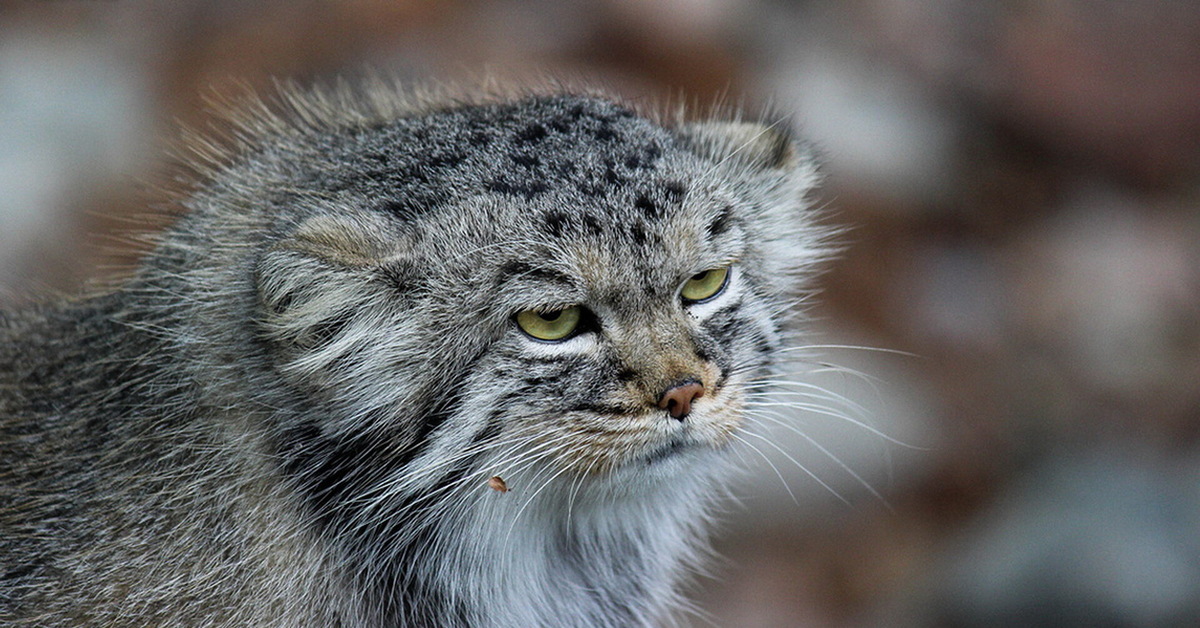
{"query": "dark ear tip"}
(345, 241)
(784, 154)
(765, 146)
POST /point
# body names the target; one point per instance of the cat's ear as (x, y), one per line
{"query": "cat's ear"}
(342, 241)
(767, 147)
(327, 272)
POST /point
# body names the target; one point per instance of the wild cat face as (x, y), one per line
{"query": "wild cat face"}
(551, 281)
(622, 348)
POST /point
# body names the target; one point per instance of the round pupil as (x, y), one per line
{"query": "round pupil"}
(550, 317)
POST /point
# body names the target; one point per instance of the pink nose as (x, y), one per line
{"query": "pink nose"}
(677, 400)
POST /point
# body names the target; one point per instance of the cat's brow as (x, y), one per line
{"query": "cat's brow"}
(721, 222)
(521, 269)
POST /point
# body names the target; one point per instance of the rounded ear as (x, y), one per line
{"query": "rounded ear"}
(325, 274)
(343, 241)
(768, 147)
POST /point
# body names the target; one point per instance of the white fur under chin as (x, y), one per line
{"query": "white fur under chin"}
(569, 554)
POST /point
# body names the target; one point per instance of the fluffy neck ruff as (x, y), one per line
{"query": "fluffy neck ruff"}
(550, 551)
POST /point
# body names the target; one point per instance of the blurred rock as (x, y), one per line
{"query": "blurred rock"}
(1106, 537)
(1110, 83)
(72, 114)
(955, 295)
(1109, 290)
(884, 135)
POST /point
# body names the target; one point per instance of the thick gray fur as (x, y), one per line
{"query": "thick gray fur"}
(290, 414)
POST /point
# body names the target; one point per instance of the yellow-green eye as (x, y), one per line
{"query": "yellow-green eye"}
(552, 325)
(705, 285)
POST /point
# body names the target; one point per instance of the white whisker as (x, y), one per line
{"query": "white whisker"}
(770, 463)
(838, 461)
(800, 466)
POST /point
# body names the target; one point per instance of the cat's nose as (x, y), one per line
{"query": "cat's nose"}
(677, 400)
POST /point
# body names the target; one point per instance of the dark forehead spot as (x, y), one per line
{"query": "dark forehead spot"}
(524, 270)
(445, 160)
(648, 207)
(592, 225)
(531, 134)
(479, 139)
(558, 223)
(525, 160)
(675, 190)
(643, 158)
(611, 176)
(720, 223)
(560, 124)
(526, 189)
(554, 223)
(606, 133)
(637, 233)
(590, 190)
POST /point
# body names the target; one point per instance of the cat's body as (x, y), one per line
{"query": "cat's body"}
(307, 405)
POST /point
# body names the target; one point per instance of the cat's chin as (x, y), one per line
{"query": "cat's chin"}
(668, 450)
(677, 457)
(707, 435)
(666, 466)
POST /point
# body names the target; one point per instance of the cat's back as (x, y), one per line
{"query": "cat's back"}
(50, 443)
(51, 358)
(105, 461)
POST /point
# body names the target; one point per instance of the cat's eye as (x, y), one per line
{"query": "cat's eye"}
(705, 285)
(550, 325)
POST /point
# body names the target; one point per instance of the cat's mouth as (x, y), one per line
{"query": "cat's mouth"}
(668, 450)
(717, 418)
(604, 437)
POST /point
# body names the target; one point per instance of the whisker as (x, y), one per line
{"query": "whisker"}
(811, 391)
(517, 517)
(792, 428)
(774, 468)
(822, 410)
(825, 347)
(803, 468)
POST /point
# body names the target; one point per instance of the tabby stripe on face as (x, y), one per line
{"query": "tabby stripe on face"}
(491, 428)
(332, 472)
(530, 371)
(601, 408)
(559, 224)
(515, 269)
(721, 223)
(725, 324)
(437, 413)
(722, 329)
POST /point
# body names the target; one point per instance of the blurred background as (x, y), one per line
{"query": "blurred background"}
(1021, 187)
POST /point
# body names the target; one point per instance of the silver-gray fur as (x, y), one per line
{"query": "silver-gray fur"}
(292, 414)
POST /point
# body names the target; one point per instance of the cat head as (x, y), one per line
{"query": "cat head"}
(554, 281)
